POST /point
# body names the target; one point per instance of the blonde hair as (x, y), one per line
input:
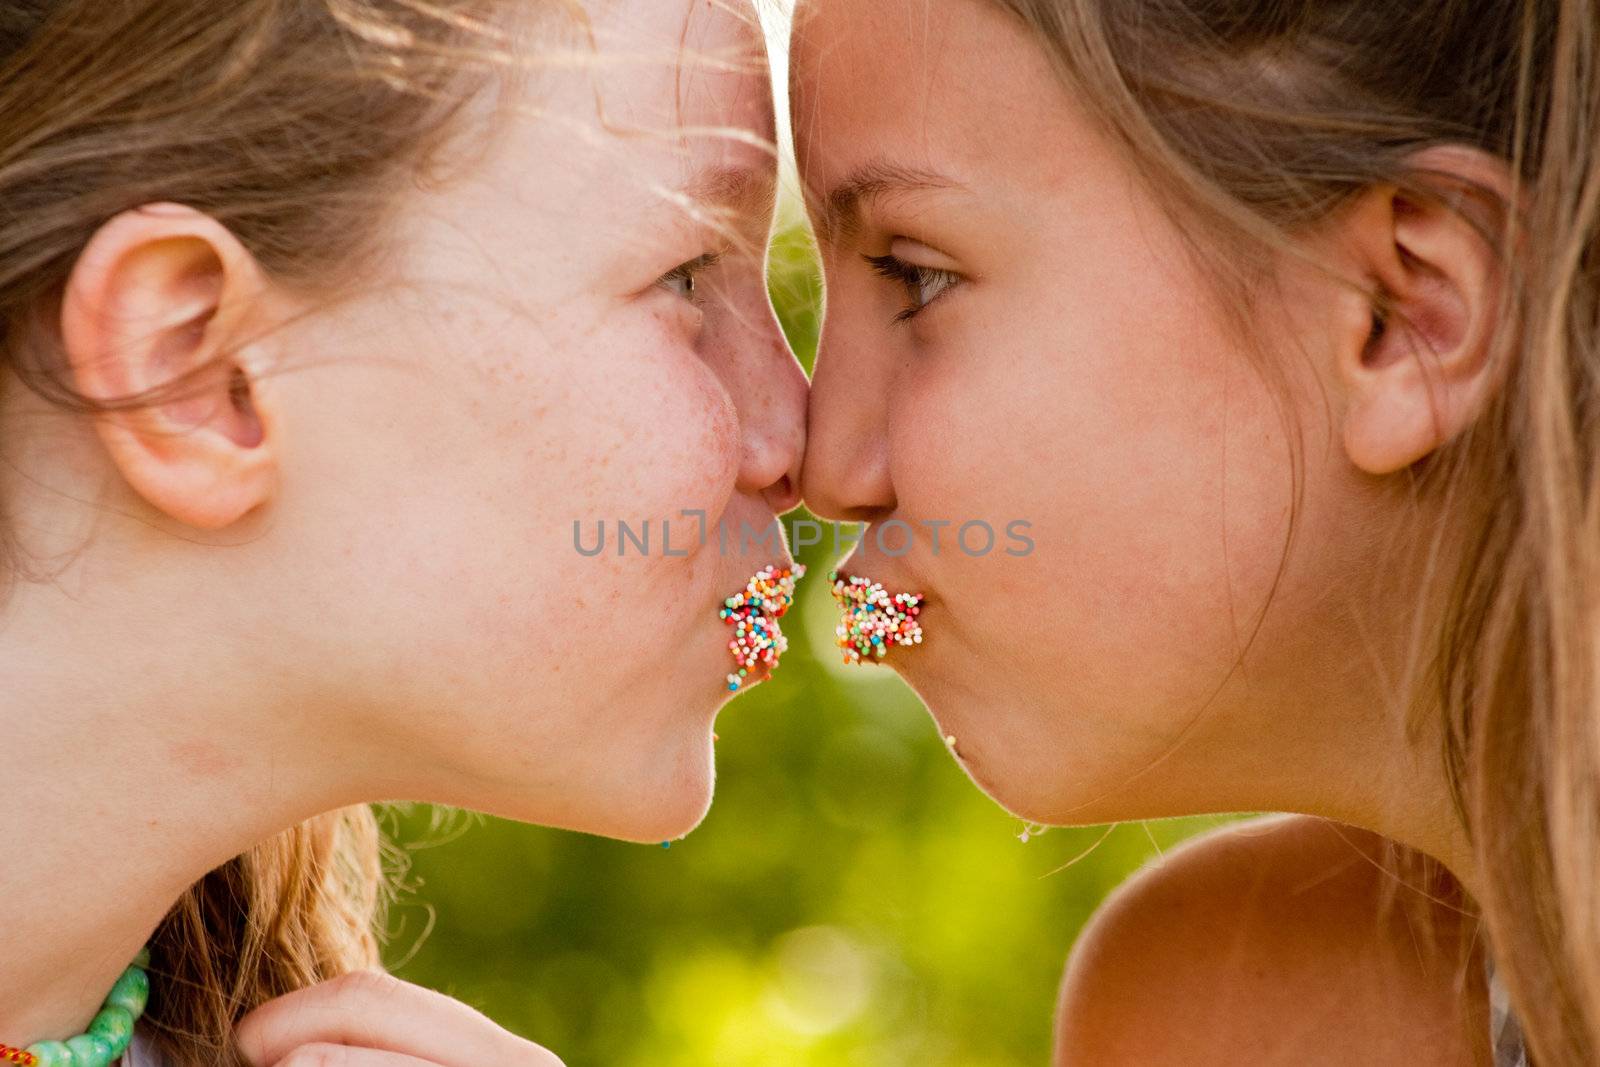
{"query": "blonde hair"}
(297, 909)
(1260, 117)
(288, 121)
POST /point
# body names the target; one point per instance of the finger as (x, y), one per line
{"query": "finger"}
(323, 1054)
(376, 1011)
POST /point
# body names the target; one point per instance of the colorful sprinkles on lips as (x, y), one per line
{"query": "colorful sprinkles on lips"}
(874, 619)
(758, 640)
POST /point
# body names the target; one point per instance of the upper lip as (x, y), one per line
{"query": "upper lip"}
(885, 571)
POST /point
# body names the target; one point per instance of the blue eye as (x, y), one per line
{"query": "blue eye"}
(923, 285)
(683, 279)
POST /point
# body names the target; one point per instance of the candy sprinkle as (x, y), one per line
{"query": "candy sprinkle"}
(758, 640)
(873, 619)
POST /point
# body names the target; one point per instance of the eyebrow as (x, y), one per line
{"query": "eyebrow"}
(839, 212)
(738, 190)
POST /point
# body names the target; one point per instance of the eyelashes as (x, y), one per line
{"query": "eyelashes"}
(684, 278)
(923, 285)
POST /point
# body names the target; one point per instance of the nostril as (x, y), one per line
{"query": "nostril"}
(782, 494)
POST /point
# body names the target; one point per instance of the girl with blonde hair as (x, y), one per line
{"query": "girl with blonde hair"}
(1279, 322)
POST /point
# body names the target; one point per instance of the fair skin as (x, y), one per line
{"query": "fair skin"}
(1048, 318)
(345, 571)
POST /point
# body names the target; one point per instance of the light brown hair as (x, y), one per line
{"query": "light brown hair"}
(1258, 118)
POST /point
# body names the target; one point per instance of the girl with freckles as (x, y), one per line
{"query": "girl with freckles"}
(1278, 321)
(322, 323)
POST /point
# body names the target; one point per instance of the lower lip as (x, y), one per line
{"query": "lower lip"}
(757, 641)
(874, 622)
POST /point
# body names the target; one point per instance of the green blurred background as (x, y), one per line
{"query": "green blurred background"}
(852, 900)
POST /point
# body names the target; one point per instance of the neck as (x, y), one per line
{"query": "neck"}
(1411, 805)
(130, 778)
(150, 732)
(1353, 738)
(1349, 751)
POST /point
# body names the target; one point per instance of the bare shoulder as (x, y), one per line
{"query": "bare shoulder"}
(1266, 942)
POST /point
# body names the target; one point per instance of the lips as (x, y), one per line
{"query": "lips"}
(873, 619)
(758, 640)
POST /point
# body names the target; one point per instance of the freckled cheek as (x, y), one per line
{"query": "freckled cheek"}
(639, 441)
(626, 417)
(683, 453)
(697, 468)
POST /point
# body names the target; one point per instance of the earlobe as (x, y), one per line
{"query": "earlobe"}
(1395, 421)
(150, 318)
(1417, 360)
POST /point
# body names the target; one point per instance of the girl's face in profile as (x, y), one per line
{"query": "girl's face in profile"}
(583, 337)
(1014, 333)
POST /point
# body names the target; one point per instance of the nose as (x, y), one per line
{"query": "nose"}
(771, 398)
(847, 469)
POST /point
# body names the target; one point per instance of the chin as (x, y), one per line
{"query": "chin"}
(1008, 790)
(1076, 791)
(1025, 764)
(666, 811)
(662, 797)
(646, 794)
(1035, 806)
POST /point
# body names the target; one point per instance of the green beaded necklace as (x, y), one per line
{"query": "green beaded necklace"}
(109, 1035)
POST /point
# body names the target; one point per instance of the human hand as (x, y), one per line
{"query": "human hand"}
(373, 1019)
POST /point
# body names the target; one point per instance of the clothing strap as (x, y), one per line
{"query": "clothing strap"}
(1505, 1033)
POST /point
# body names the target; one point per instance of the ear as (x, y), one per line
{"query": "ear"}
(152, 306)
(1416, 361)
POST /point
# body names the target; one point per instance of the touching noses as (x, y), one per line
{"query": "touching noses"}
(772, 423)
(847, 449)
